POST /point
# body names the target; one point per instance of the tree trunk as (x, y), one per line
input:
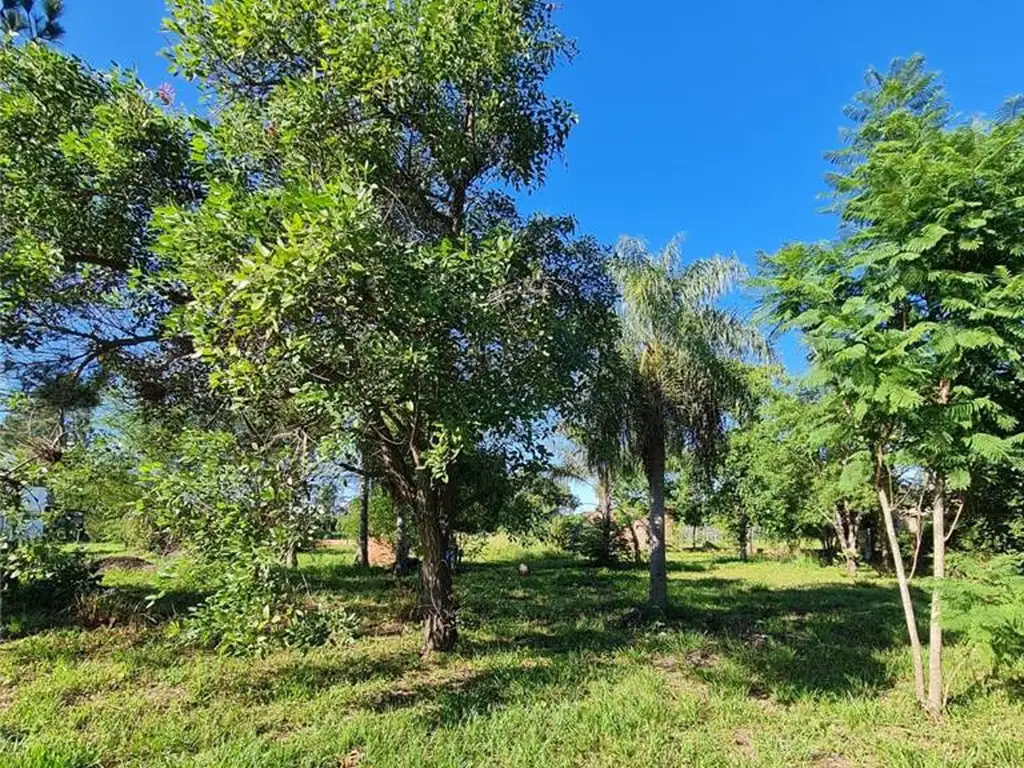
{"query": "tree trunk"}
(604, 501)
(363, 556)
(654, 464)
(846, 530)
(743, 535)
(401, 566)
(852, 535)
(935, 693)
(886, 565)
(291, 557)
(440, 631)
(637, 557)
(904, 585)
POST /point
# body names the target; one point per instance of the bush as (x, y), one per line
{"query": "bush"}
(984, 603)
(44, 575)
(255, 609)
(596, 539)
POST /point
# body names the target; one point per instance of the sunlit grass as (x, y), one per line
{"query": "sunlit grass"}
(762, 663)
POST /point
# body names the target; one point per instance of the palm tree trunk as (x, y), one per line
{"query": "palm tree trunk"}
(604, 500)
(654, 465)
(363, 556)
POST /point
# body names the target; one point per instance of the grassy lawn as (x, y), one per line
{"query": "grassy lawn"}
(765, 663)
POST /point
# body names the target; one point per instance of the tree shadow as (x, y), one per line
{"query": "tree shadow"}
(821, 640)
(683, 566)
(305, 677)
(550, 632)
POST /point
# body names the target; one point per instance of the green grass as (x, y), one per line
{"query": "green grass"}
(765, 663)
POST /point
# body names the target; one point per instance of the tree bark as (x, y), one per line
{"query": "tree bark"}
(440, 631)
(401, 566)
(637, 558)
(904, 586)
(845, 525)
(743, 535)
(291, 557)
(604, 501)
(363, 556)
(935, 692)
(654, 464)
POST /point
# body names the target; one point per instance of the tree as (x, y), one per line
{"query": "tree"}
(237, 496)
(681, 354)
(783, 471)
(85, 157)
(365, 488)
(594, 423)
(364, 262)
(915, 312)
(22, 19)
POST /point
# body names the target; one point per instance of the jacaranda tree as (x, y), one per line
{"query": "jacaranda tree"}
(913, 316)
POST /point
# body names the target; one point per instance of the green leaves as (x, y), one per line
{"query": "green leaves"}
(677, 347)
(84, 159)
(959, 479)
(856, 472)
(911, 316)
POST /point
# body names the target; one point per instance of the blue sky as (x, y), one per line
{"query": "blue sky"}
(709, 118)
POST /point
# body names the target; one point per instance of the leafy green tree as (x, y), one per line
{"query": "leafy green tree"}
(365, 262)
(690, 494)
(783, 471)
(25, 20)
(594, 424)
(681, 354)
(232, 496)
(85, 157)
(382, 515)
(916, 309)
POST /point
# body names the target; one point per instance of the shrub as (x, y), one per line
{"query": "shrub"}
(984, 603)
(255, 609)
(44, 575)
(596, 539)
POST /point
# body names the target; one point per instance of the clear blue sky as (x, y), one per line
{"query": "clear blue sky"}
(704, 118)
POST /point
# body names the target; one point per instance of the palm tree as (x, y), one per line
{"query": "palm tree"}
(21, 18)
(683, 357)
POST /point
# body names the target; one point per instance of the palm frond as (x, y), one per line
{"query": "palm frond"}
(687, 353)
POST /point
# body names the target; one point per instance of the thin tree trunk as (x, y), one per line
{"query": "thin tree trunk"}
(440, 631)
(846, 531)
(401, 566)
(637, 557)
(363, 556)
(654, 463)
(291, 558)
(935, 691)
(743, 534)
(904, 586)
(604, 500)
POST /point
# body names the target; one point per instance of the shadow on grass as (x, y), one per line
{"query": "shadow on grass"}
(547, 634)
(819, 640)
(824, 639)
